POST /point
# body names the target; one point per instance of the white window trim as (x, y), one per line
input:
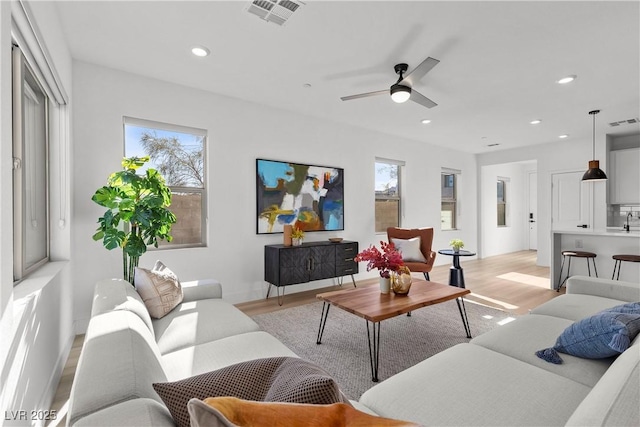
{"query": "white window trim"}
(170, 127)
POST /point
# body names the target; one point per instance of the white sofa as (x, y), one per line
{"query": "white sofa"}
(494, 380)
(497, 380)
(125, 351)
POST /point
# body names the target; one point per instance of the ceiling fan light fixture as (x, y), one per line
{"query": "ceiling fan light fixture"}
(594, 173)
(400, 93)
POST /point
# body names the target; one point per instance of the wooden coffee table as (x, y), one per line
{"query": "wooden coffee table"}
(367, 302)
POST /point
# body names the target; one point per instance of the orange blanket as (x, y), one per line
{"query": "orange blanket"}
(247, 413)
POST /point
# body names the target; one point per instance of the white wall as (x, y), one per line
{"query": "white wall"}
(36, 329)
(511, 238)
(240, 132)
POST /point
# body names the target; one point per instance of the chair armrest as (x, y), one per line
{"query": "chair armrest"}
(201, 289)
(623, 291)
(431, 259)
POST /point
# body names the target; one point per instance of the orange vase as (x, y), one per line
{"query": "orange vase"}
(288, 229)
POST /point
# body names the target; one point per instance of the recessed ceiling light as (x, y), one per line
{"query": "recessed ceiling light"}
(200, 51)
(426, 121)
(535, 122)
(563, 136)
(568, 79)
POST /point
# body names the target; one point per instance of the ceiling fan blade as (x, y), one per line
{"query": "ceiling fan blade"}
(421, 99)
(365, 95)
(414, 76)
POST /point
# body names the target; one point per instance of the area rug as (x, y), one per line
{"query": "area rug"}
(404, 341)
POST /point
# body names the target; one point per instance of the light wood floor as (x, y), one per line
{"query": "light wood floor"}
(511, 282)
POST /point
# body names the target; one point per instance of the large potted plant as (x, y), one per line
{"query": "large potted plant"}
(140, 203)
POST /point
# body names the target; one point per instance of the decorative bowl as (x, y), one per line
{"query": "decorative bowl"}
(335, 239)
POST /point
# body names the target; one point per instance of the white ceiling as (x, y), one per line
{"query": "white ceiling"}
(498, 70)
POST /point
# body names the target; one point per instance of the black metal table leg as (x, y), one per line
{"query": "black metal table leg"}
(374, 349)
(463, 314)
(323, 321)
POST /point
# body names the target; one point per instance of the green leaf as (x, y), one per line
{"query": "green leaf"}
(134, 163)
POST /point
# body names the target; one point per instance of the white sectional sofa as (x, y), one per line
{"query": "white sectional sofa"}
(496, 379)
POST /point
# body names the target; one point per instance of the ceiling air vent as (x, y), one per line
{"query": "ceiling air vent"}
(276, 11)
(624, 122)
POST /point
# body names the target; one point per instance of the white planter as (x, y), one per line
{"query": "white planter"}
(385, 285)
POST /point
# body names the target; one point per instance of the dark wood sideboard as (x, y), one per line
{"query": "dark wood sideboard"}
(291, 265)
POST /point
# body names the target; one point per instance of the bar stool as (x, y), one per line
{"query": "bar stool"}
(578, 254)
(618, 264)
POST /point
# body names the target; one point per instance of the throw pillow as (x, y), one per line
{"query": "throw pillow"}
(604, 334)
(275, 379)
(410, 249)
(630, 307)
(233, 412)
(159, 288)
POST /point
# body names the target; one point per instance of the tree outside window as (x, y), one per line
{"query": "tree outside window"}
(177, 152)
(387, 188)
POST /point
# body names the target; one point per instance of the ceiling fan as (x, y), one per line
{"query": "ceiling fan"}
(401, 90)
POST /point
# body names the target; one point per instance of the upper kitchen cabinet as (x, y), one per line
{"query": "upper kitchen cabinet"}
(624, 176)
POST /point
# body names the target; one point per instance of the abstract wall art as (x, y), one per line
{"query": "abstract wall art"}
(308, 197)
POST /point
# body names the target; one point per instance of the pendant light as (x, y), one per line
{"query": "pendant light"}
(594, 173)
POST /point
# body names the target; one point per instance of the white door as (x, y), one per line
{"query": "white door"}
(533, 211)
(570, 201)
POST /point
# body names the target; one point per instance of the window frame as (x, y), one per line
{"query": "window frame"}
(21, 72)
(202, 191)
(502, 202)
(382, 197)
(450, 200)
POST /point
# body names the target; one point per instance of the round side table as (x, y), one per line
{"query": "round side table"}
(456, 275)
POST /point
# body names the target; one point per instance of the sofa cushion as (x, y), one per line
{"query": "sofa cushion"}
(410, 249)
(575, 306)
(540, 332)
(231, 412)
(119, 361)
(276, 379)
(118, 294)
(198, 322)
(470, 385)
(135, 412)
(159, 288)
(614, 400)
(223, 352)
(604, 334)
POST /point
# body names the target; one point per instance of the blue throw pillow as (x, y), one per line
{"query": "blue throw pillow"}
(605, 334)
(630, 307)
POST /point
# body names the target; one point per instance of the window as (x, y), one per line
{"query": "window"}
(177, 152)
(502, 203)
(30, 169)
(449, 202)
(387, 181)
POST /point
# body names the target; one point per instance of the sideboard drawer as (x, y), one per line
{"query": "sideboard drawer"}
(346, 251)
(347, 269)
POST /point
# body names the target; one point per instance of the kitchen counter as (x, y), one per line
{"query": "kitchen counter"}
(604, 243)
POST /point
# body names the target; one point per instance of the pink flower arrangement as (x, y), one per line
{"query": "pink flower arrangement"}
(386, 261)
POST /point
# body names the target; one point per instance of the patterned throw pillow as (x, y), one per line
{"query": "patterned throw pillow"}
(159, 288)
(605, 334)
(410, 249)
(273, 379)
